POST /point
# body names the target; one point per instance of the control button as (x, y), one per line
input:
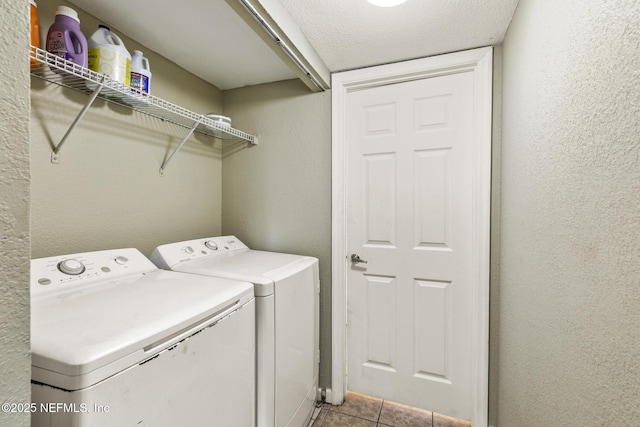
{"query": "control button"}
(71, 266)
(121, 260)
(231, 242)
(188, 250)
(44, 281)
(106, 269)
(211, 245)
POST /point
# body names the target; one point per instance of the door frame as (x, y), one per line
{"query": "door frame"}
(480, 62)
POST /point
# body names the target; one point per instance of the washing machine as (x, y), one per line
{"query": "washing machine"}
(115, 341)
(286, 290)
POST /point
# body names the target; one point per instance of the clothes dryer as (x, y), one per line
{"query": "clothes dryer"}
(116, 341)
(287, 293)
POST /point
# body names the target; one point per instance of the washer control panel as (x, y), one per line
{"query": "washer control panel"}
(166, 256)
(59, 273)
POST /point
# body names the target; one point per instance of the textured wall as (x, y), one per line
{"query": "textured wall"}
(15, 363)
(277, 195)
(106, 191)
(570, 257)
(494, 300)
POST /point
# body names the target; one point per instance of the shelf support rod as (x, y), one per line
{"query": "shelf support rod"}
(55, 155)
(166, 162)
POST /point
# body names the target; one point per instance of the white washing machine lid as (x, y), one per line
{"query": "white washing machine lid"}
(261, 268)
(89, 333)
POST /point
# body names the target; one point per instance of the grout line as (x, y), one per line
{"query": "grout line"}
(354, 416)
(379, 414)
(315, 415)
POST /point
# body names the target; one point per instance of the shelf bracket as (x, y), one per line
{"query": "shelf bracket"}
(55, 155)
(166, 162)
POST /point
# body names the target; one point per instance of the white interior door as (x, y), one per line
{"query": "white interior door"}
(409, 215)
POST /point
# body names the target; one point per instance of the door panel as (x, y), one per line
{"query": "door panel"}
(432, 197)
(379, 193)
(432, 330)
(381, 338)
(409, 215)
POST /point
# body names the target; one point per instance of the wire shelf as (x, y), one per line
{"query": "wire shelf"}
(55, 69)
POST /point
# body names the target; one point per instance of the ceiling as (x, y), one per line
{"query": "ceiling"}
(354, 34)
(210, 40)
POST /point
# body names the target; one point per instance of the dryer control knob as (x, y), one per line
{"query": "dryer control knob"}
(121, 260)
(71, 266)
(211, 245)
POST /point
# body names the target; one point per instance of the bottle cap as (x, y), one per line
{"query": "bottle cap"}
(67, 11)
(33, 3)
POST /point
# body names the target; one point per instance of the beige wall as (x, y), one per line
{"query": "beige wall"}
(106, 192)
(494, 299)
(277, 195)
(15, 362)
(569, 346)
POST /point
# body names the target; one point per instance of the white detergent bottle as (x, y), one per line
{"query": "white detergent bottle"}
(108, 55)
(140, 73)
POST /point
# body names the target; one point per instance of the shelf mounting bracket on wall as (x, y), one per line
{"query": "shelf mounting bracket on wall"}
(55, 155)
(166, 162)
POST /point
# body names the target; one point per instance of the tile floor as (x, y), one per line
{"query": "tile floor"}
(359, 410)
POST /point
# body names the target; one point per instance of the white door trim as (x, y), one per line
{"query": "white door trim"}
(480, 62)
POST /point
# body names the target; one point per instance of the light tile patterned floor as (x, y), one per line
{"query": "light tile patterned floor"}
(364, 411)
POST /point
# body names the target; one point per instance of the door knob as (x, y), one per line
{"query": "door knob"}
(355, 258)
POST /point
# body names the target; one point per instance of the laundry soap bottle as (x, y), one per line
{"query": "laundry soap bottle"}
(64, 38)
(35, 31)
(109, 56)
(140, 73)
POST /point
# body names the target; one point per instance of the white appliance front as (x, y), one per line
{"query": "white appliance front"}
(118, 342)
(287, 318)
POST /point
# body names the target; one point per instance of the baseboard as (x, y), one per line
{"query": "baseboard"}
(323, 395)
(327, 396)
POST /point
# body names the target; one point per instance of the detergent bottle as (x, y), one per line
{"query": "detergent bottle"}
(109, 56)
(65, 39)
(140, 73)
(35, 30)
